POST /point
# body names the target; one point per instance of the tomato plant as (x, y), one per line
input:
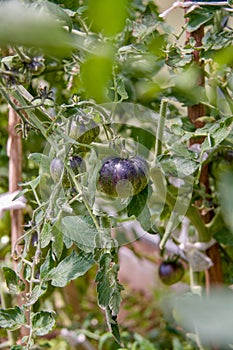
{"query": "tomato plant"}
(121, 122)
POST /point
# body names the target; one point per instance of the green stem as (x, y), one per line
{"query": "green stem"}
(160, 129)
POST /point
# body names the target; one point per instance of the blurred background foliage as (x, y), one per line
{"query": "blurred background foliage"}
(111, 51)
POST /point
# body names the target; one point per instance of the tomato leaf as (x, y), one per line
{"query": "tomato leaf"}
(14, 283)
(70, 268)
(12, 318)
(43, 322)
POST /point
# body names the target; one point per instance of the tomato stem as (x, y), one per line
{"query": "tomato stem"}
(160, 129)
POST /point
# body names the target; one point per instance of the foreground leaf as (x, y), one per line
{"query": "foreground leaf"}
(14, 283)
(43, 322)
(12, 318)
(73, 266)
(21, 25)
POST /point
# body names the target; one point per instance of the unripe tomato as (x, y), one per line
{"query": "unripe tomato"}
(171, 272)
(56, 169)
(121, 177)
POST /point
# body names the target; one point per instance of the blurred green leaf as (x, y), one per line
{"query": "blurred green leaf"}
(26, 26)
(108, 16)
(226, 197)
(210, 316)
(224, 56)
(57, 11)
(96, 74)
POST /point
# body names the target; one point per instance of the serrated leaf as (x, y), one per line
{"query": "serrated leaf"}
(217, 133)
(37, 292)
(46, 235)
(70, 268)
(14, 283)
(103, 284)
(81, 230)
(12, 318)
(108, 287)
(43, 322)
(113, 326)
(47, 265)
(115, 300)
(178, 166)
(57, 242)
(198, 17)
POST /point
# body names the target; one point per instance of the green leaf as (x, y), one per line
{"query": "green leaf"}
(14, 283)
(81, 230)
(43, 322)
(121, 89)
(226, 197)
(209, 315)
(57, 242)
(108, 287)
(216, 133)
(107, 17)
(137, 203)
(70, 268)
(57, 11)
(95, 165)
(26, 26)
(47, 265)
(113, 326)
(96, 75)
(33, 183)
(103, 284)
(37, 292)
(12, 318)
(224, 236)
(46, 234)
(198, 17)
(178, 166)
(144, 343)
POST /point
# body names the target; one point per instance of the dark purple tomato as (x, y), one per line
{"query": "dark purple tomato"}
(56, 169)
(121, 177)
(77, 164)
(171, 272)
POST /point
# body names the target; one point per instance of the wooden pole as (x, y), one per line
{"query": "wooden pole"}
(15, 177)
(194, 113)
